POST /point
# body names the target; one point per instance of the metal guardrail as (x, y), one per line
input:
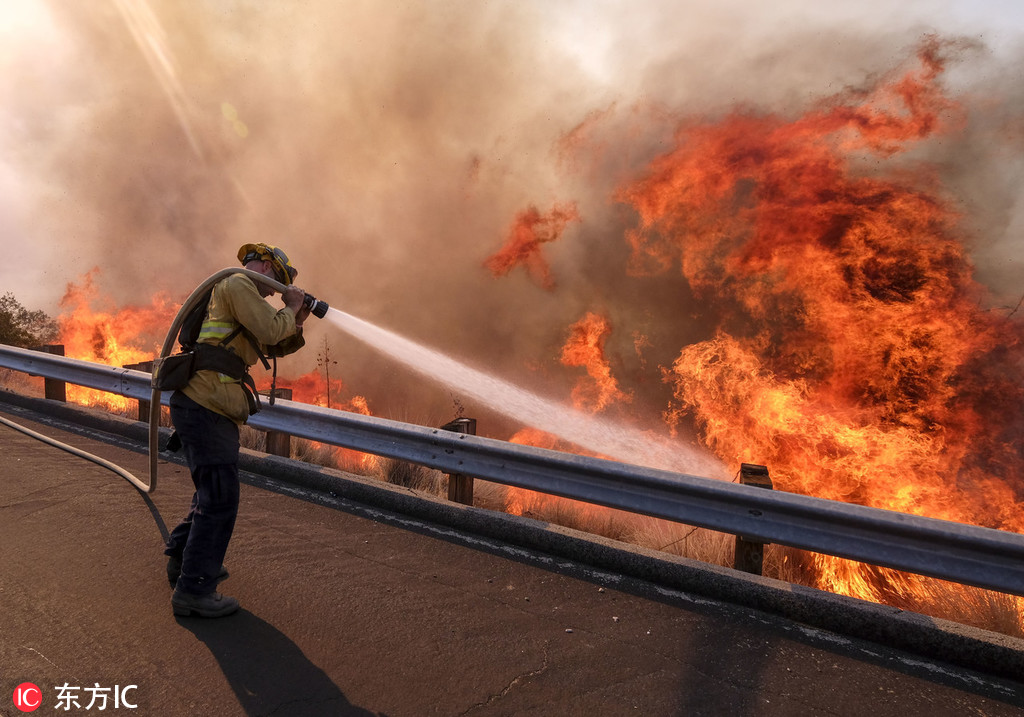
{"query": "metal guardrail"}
(967, 554)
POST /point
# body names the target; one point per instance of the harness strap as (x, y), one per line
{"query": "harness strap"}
(218, 357)
(252, 341)
(273, 383)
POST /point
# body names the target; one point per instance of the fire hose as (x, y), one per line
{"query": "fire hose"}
(76, 451)
(317, 308)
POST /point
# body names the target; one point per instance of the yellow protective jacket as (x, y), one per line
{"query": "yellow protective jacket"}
(236, 300)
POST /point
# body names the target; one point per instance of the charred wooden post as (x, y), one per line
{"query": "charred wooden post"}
(460, 487)
(750, 553)
(279, 443)
(146, 366)
(54, 389)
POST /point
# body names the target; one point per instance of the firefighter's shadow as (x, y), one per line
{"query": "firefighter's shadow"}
(155, 512)
(267, 671)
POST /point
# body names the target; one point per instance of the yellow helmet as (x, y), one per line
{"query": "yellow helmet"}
(286, 273)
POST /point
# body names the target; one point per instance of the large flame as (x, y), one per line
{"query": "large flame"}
(850, 349)
(93, 328)
(852, 355)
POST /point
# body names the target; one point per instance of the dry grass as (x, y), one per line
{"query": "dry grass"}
(17, 382)
(584, 517)
(984, 609)
(249, 437)
(410, 475)
(975, 607)
(490, 496)
(707, 546)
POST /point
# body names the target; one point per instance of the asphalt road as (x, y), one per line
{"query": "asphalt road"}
(350, 609)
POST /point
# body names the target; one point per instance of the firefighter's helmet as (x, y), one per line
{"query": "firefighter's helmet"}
(283, 268)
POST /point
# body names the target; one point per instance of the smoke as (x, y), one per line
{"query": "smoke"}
(389, 148)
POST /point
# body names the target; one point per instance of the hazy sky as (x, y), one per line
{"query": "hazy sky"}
(619, 48)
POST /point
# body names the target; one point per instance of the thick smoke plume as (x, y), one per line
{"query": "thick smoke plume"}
(391, 149)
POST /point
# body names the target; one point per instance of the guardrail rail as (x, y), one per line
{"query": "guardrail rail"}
(967, 554)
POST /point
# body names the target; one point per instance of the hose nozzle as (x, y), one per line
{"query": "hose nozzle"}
(316, 307)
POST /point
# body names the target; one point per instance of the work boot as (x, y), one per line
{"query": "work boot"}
(174, 570)
(209, 605)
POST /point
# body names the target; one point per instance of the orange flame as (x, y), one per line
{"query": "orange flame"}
(312, 388)
(121, 336)
(600, 389)
(521, 501)
(529, 231)
(585, 348)
(116, 336)
(851, 355)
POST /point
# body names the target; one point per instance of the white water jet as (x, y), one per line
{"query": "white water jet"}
(600, 436)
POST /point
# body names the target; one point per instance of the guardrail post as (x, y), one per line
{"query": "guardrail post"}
(460, 487)
(279, 443)
(54, 389)
(750, 554)
(146, 366)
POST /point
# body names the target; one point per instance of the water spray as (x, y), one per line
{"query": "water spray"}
(598, 435)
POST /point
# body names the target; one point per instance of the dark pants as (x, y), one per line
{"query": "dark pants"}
(210, 443)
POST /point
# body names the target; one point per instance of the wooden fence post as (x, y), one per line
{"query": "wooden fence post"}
(54, 389)
(460, 487)
(750, 554)
(144, 405)
(279, 443)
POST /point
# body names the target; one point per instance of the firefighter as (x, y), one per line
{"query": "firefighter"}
(240, 328)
